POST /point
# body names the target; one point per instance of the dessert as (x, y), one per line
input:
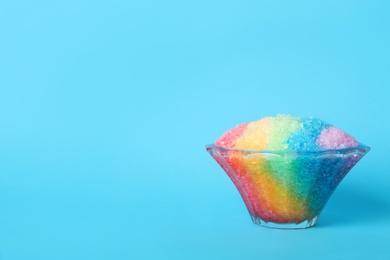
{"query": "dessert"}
(285, 167)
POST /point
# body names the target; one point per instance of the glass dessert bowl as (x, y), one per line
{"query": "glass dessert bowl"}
(286, 189)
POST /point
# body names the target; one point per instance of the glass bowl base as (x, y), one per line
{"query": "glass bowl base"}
(302, 225)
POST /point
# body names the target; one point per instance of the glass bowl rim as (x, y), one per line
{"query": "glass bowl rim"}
(360, 148)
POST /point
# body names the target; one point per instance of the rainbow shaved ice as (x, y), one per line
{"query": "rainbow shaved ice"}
(286, 167)
(285, 132)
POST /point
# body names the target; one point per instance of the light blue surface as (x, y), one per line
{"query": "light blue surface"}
(105, 108)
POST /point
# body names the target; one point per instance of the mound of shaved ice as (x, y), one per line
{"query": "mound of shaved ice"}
(285, 132)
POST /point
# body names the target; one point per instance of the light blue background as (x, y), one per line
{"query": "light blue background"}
(105, 108)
